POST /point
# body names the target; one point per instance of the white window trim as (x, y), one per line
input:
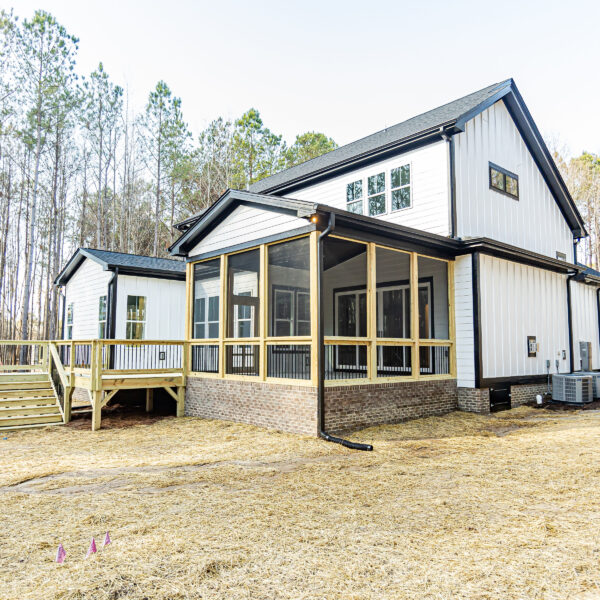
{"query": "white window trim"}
(143, 322)
(101, 321)
(206, 322)
(409, 186)
(387, 192)
(69, 326)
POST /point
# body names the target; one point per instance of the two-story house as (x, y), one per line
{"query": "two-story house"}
(426, 267)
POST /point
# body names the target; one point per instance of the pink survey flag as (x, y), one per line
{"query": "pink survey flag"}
(92, 548)
(60, 554)
(106, 539)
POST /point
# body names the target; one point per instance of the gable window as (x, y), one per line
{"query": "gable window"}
(400, 186)
(354, 197)
(70, 321)
(561, 255)
(504, 181)
(136, 318)
(102, 317)
(376, 193)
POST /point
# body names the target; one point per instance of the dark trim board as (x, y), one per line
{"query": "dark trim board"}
(253, 243)
(475, 277)
(513, 380)
(570, 326)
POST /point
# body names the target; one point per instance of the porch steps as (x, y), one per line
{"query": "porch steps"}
(28, 400)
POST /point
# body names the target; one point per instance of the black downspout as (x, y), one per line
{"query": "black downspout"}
(598, 310)
(112, 307)
(570, 324)
(63, 300)
(452, 169)
(112, 313)
(321, 349)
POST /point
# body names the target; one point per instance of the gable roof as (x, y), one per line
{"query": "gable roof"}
(195, 226)
(128, 264)
(434, 125)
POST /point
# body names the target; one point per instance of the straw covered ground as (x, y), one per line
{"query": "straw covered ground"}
(461, 506)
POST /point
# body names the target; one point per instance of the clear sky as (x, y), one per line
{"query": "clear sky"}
(345, 68)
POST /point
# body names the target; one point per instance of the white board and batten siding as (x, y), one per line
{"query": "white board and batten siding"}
(165, 306)
(534, 221)
(246, 224)
(429, 211)
(585, 322)
(83, 291)
(519, 301)
(463, 311)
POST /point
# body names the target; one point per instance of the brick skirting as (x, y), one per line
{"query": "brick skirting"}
(349, 408)
(478, 399)
(475, 400)
(521, 394)
(291, 408)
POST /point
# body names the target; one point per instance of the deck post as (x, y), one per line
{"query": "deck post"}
(149, 400)
(181, 401)
(68, 395)
(96, 409)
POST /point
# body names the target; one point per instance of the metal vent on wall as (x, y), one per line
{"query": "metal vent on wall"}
(572, 388)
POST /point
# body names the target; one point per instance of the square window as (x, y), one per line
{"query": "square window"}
(401, 198)
(376, 184)
(512, 187)
(355, 207)
(354, 191)
(377, 205)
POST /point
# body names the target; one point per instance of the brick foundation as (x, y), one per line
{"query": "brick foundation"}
(521, 394)
(477, 400)
(290, 408)
(293, 408)
(349, 408)
(474, 400)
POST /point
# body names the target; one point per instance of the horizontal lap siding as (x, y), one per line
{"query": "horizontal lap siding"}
(463, 306)
(245, 224)
(518, 301)
(534, 222)
(84, 289)
(585, 321)
(165, 306)
(429, 189)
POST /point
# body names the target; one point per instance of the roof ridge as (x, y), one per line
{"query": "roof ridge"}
(129, 254)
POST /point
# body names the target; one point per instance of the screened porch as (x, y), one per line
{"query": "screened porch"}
(387, 313)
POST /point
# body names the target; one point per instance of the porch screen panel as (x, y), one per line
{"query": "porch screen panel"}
(433, 299)
(206, 299)
(289, 288)
(345, 288)
(243, 273)
(393, 294)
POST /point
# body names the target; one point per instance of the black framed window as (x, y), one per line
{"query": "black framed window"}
(70, 321)
(504, 181)
(354, 197)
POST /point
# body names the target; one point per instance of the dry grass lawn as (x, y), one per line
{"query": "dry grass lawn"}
(462, 506)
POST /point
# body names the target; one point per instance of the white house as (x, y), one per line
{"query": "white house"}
(112, 295)
(425, 267)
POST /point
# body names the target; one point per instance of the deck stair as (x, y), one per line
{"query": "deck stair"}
(28, 400)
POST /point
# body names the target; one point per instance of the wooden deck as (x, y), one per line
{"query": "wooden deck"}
(101, 367)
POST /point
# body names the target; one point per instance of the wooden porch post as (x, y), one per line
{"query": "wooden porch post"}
(96, 385)
(181, 401)
(96, 409)
(68, 403)
(149, 400)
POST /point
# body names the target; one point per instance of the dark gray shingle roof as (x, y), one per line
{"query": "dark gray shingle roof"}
(120, 259)
(128, 264)
(448, 113)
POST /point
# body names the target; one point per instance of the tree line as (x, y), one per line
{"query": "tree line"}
(79, 167)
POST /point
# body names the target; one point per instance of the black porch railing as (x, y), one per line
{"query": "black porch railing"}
(288, 361)
(205, 359)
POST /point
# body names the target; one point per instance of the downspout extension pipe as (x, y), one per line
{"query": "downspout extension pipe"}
(321, 350)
